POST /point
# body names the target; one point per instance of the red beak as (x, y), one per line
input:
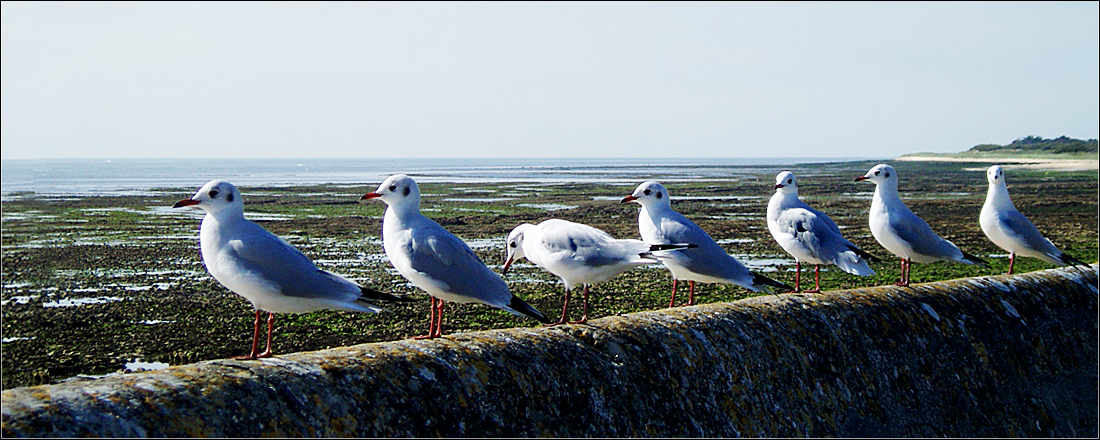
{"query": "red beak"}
(370, 195)
(628, 199)
(861, 178)
(779, 185)
(507, 264)
(185, 202)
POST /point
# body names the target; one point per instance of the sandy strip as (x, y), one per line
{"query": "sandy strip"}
(1015, 163)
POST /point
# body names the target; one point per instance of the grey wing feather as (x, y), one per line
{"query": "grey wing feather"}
(921, 237)
(446, 258)
(1019, 226)
(585, 243)
(706, 259)
(293, 271)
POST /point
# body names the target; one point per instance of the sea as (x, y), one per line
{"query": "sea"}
(115, 177)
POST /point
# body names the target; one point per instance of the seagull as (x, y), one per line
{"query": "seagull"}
(435, 260)
(578, 254)
(707, 262)
(1013, 232)
(901, 232)
(811, 236)
(267, 271)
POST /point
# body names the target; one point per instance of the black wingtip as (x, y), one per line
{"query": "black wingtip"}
(975, 259)
(1068, 260)
(760, 279)
(671, 247)
(864, 254)
(526, 309)
(369, 293)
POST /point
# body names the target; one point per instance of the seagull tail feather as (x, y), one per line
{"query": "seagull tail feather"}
(864, 254)
(972, 259)
(664, 247)
(761, 282)
(371, 294)
(1068, 260)
(518, 307)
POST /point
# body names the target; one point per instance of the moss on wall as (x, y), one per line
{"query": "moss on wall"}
(991, 356)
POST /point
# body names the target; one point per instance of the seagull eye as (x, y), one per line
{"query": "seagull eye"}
(647, 192)
(878, 172)
(512, 244)
(393, 187)
(213, 194)
(790, 181)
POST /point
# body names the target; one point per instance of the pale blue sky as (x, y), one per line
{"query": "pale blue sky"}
(121, 80)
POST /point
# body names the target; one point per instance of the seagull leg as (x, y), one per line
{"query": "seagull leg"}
(270, 326)
(255, 339)
(817, 280)
(564, 312)
(904, 282)
(584, 315)
(1011, 261)
(797, 276)
(431, 320)
(672, 302)
(439, 319)
(691, 294)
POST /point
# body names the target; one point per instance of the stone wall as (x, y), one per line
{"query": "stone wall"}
(993, 356)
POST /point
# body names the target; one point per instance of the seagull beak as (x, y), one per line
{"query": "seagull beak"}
(861, 178)
(628, 199)
(185, 202)
(507, 264)
(779, 185)
(370, 195)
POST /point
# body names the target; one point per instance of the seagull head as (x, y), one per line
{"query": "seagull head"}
(514, 246)
(215, 197)
(397, 190)
(994, 175)
(785, 183)
(880, 174)
(648, 194)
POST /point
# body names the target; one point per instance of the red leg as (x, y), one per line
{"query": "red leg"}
(255, 339)
(691, 294)
(797, 276)
(672, 302)
(1011, 261)
(270, 325)
(904, 273)
(439, 319)
(584, 315)
(817, 280)
(564, 312)
(431, 320)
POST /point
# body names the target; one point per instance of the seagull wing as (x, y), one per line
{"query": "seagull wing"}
(276, 261)
(452, 266)
(1022, 230)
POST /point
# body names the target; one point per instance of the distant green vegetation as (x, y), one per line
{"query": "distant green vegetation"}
(1061, 144)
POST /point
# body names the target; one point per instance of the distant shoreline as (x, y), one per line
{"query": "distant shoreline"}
(1012, 162)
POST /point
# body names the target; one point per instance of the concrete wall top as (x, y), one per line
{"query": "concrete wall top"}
(990, 356)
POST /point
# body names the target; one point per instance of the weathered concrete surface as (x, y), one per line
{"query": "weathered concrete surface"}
(992, 356)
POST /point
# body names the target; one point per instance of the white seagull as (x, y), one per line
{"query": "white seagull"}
(811, 236)
(578, 254)
(267, 271)
(707, 262)
(435, 260)
(1013, 232)
(901, 232)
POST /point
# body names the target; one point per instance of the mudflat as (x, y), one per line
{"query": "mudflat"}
(102, 285)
